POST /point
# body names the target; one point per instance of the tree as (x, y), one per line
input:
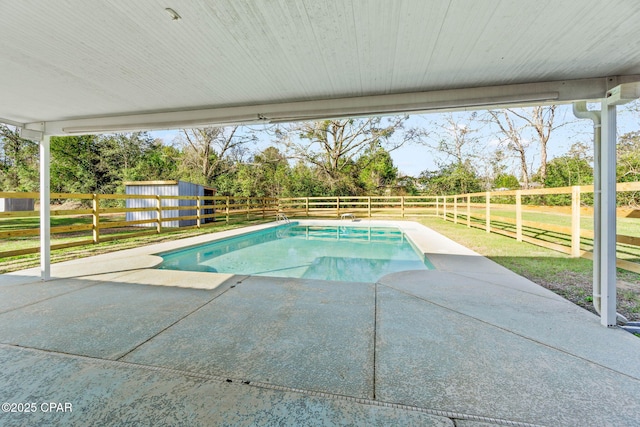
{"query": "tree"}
(629, 157)
(306, 181)
(567, 170)
(121, 153)
(159, 163)
(455, 138)
(506, 181)
(333, 146)
(376, 170)
(540, 119)
(19, 159)
(492, 164)
(512, 137)
(518, 127)
(628, 168)
(451, 179)
(101, 163)
(267, 175)
(211, 152)
(74, 161)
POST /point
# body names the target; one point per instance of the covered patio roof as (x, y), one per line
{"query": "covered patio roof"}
(86, 67)
(75, 67)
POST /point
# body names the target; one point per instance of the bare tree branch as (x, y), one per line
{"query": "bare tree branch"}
(213, 151)
(332, 145)
(512, 138)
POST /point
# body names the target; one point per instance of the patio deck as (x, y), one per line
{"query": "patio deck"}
(469, 344)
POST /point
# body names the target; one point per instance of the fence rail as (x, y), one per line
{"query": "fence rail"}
(571, 233)
(521, 214)
(103, 222)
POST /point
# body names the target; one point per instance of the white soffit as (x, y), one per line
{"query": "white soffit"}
(80, 65)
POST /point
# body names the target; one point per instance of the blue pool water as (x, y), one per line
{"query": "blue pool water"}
(352, 254)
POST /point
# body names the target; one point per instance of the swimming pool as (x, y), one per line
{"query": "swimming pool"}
(339, 253)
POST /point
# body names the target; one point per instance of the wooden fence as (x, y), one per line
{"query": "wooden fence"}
(519, 214)
(369, 206)
(504, 212)
(103, 222)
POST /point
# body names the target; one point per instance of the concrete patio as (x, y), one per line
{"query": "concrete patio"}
(468, 344)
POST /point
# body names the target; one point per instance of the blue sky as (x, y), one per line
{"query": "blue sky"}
(413, 159)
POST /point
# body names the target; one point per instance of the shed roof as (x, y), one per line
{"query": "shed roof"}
(117, 64)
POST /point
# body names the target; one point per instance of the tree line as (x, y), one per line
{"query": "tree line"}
(331, 157)
(323, 158)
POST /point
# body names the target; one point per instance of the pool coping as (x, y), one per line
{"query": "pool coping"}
(410, 233)
(434, 246)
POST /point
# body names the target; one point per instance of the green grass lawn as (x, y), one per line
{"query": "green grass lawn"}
(569, 277)
(625, 226)
(30, 223)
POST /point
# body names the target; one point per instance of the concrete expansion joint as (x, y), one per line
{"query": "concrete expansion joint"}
(246, 382)
(209, 301)
(52, 296)
(515, 333)
(238, 282)
(550, 297)
(375, 334)
(379, 403)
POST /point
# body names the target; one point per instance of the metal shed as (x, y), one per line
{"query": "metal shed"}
(13, 205)
(168, 188)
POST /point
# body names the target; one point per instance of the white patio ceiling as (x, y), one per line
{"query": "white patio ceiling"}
(86, 66)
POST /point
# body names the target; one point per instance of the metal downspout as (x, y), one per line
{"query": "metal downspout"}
(580, 111)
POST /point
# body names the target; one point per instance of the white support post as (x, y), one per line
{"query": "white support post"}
(45, 210)
(607, 243)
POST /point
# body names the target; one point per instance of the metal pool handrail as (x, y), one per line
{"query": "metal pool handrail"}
(281, 217)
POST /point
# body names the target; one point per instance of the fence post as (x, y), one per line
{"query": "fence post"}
(96, 218)
(468, 211)
(158, 214)
(402, 206)
(487, 202)
(264, 204)
(575, 221)
(198, 207)
(227, 210)
(444, 208)
(306, 206)
(369, 206)
(248, 207)
(518, 215)
(338, 206)
(437, 207)
(455, 209)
